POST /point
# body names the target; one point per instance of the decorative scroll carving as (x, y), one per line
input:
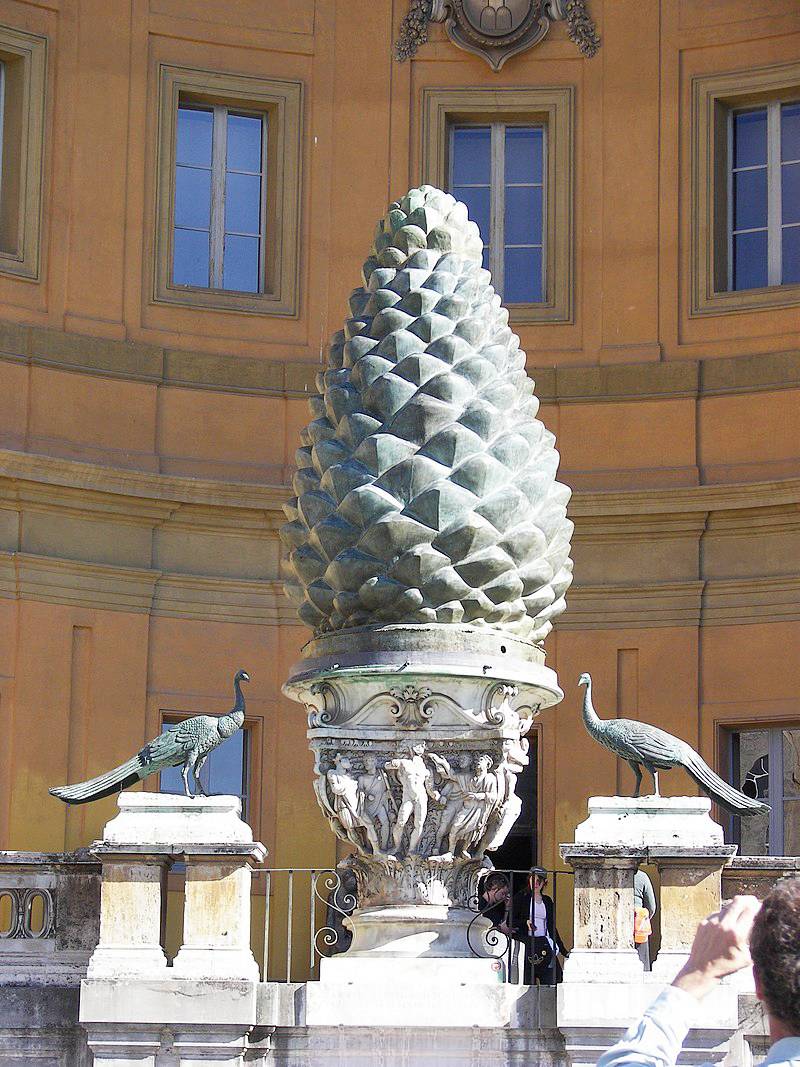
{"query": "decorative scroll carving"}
(413, 708)
(496, 29)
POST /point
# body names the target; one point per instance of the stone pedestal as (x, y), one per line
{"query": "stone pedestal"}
(603, 949)
(199, 1011)
(691, 889)
(150, 832)
(216, 917)
(675, 833)
(419, 734)
(640, 822)
(132, 902)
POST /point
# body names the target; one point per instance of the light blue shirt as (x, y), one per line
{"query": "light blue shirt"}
(655, 1041)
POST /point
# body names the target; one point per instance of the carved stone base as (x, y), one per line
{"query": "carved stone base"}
(442, 881)
(420, 930)
(419, 734)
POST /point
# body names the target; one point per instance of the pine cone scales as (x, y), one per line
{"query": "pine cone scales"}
(425, 488)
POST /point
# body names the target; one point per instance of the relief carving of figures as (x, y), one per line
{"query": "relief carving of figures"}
(378, 802)
(509, 805)
(416, 784)
(347, 810)
(457, 775)
(479, 802)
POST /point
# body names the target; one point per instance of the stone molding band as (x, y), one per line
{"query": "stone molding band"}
(139, 362)
(614, 519)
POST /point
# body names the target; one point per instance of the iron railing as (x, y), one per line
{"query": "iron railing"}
(305, 909)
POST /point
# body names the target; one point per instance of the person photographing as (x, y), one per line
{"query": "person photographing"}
(744, 932)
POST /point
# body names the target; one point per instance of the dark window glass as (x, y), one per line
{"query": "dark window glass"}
(790, 192)
(750, 199)
(219, 225)
(191, 258)
(472, 154)
(790, 131)
(506, 185)
(750, 260)
(524, 152)
(522, 283)
(790, 240)
(241, 263)
(523, 215)
(243, 204)
(750, 138)
(765, 765)
(244, 143)
(193, 198)
(195, 131)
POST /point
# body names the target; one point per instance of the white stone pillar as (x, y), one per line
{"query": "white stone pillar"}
(132, 898)
(113, 1046)
(216, 917)
(691, 889)
(221, 1045)
(603, 948)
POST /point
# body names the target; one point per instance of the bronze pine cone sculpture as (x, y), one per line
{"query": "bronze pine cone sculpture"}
(425, 488)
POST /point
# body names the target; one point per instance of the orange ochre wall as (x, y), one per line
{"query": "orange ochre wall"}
(145, 448)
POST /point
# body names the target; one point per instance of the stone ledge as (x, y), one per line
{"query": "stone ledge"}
(609, 382)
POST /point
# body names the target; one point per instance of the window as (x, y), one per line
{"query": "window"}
(746, 191)
(497, 170)
(220, 202)
(508, 154)
(225, 772)
(764, 196)
(22, 100)
(228, 192)
(765, 764)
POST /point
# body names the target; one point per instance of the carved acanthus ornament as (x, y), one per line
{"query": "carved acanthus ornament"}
(496, 29)
(413, 707)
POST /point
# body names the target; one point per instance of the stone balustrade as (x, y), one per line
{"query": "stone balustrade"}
(49, 904)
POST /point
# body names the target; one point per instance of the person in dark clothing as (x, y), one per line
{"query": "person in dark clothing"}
(533, 922)
(493, 900)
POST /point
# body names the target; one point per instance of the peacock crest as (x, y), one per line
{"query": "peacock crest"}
(425, 488)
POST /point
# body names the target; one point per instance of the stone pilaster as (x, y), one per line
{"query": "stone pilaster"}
(216, 917)
(603, 908)
(691, 889)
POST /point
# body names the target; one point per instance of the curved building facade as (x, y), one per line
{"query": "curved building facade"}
(188, 191)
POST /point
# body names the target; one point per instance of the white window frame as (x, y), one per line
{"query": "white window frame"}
(774, 168)
(497, 197)
(219, 146)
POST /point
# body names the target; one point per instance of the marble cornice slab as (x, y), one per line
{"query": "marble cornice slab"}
(560, 384)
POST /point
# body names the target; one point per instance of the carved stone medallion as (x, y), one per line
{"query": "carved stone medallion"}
(496, 29)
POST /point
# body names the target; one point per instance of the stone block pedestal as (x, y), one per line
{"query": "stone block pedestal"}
(603, 947)
(691, 889)
(200, 1010)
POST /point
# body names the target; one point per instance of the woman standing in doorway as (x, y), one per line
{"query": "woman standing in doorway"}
(534, 923)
